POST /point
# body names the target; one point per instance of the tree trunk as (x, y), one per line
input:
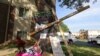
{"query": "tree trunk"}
(49, 6)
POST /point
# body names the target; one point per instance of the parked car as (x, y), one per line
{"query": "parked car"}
(95, 40)
(70, 39)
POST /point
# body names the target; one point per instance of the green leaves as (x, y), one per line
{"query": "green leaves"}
(64, 27)
(73, 3)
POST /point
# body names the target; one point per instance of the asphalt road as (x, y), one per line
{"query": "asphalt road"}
(85, 43)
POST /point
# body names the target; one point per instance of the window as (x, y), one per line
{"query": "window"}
(98, 36)
(22, 34)
(22, 11)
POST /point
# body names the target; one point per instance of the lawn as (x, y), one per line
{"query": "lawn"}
(79, 50)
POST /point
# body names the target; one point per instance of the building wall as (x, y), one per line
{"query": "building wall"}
(4, 1)
(76, 33)
(93, 33)
(23, 23)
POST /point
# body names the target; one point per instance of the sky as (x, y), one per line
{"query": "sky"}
(88, 19)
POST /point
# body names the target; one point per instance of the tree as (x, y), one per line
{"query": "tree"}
(49, 5)
(73, 3)
(64, 27)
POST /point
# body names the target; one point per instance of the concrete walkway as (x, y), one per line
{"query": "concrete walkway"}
(55, 43)
(56, 47)
(5, 52)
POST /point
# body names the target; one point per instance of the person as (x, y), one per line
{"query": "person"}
(20, 44)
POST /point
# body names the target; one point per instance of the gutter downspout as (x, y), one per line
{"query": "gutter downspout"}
(7, 20)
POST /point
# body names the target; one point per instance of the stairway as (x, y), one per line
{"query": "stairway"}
(56, 47)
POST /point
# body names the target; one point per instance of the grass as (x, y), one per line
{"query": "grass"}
(78, 50)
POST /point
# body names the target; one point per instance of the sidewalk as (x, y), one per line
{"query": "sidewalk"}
(5, 52)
